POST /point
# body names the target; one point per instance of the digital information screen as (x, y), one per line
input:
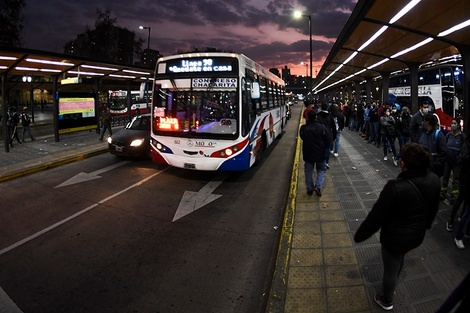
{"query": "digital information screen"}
(76, 112)
(202, 65)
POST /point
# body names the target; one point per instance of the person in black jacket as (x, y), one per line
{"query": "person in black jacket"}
(316, 139)
(406, 207)
(325, 117)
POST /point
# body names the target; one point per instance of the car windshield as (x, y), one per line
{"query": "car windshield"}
(141, 122)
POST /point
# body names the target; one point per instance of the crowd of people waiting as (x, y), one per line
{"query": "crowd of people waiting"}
(407, 205)
(390, 127)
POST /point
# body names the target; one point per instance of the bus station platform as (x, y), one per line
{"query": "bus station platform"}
(318, 267)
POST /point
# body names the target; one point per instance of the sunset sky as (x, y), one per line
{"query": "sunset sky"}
(264, 30)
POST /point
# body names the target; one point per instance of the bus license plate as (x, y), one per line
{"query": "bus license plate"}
(190, 166)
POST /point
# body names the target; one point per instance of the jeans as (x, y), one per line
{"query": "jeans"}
(386, 140)
(393, 264)
(338, 137)
(321, 170)
(27, 129)
(374, 132)
(463, 222)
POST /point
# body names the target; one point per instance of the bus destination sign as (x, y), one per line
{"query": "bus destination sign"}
(201, 65)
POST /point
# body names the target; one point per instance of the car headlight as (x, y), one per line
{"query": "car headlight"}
(137, 142)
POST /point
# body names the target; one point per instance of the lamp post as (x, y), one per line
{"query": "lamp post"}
(28, 79)
(298, 14)
(148, 65)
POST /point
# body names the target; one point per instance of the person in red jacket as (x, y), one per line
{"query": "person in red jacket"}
(406, 207)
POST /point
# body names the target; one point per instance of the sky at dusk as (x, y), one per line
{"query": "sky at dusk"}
(264, 30)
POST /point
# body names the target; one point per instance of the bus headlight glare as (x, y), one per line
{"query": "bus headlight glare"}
(159, 146)
(228, 152)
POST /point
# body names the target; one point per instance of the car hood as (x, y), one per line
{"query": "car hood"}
(129, 135)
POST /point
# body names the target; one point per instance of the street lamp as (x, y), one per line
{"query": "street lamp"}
(148, 65)
(298, 14)
(148, 41)
(28, 79)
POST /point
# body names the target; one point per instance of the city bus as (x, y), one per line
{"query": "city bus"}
(441, 87)
(117, 102)
(214, 111)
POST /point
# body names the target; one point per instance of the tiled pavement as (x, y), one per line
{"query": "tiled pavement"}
(321, 269)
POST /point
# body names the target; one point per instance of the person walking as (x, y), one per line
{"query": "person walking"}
(406, 207)
(315, 140)
(26, 122)
(389, 133)
(106, 119)
(12, 123)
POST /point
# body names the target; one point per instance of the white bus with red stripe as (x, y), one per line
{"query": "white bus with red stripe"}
(214, 111)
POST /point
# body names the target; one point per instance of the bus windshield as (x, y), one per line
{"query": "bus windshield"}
(205, 114)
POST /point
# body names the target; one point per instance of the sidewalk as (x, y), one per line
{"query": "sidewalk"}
(320, 269)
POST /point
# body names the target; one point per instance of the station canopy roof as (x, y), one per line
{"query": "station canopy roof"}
(387, 36)
(23, 62)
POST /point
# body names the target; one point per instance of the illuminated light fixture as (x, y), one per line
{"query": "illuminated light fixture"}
(49, 62)
(378, 63)
(371, 39)
(416, 46)
(85, 73)
(350, 57)
(24, 68)
(49, 70)
(3, 67)
(454, 28)
(99, 67)
(404, 10)
(2, 57)
(136, 72)
(121, 76)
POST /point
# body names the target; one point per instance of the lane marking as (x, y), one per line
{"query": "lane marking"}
(53, 226)
(83, 177)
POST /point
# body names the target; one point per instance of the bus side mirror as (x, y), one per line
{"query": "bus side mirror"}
(255, 93)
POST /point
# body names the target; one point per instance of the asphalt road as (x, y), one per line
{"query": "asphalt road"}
(140, 237)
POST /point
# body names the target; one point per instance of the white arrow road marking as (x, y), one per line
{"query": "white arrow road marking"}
(192, 201)
(71, 217)
(82, 177)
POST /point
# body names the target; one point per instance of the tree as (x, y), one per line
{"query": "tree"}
(10, 22)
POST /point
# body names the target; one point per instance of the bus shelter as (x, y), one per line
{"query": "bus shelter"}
(75, 85)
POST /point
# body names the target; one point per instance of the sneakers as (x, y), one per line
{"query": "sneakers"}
(385, 158)
(327, 166)
(395, 162)
(450, 226)
(387, 306)
(459, 244)
(317, 191)
(336, 155)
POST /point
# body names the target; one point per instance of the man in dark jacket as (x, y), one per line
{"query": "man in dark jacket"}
(434, 142)
(316, 139)
(404, 210)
